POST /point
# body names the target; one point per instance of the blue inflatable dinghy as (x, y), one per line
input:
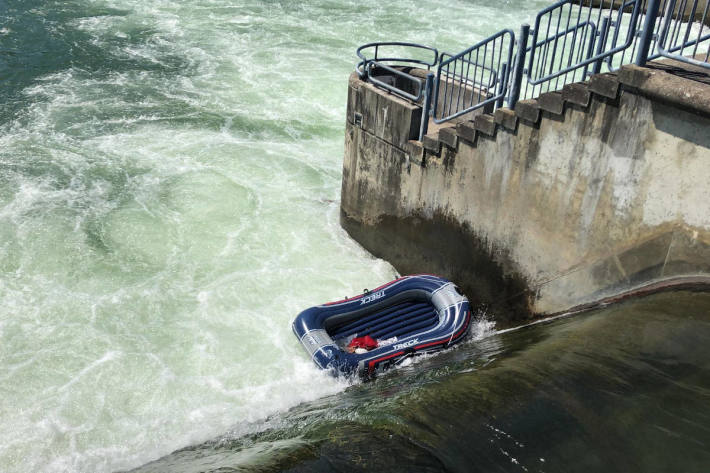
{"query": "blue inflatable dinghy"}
(408, 316)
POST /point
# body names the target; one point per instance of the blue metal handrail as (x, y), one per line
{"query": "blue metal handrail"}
(565, 40)
(367, 65)
(492, 57)
(569, 37)
(668, 44)
(361, 67)
(492, 73)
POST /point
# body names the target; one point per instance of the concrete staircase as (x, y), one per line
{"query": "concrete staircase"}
(552, 105)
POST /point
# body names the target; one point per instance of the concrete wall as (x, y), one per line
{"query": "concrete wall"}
(578, 197)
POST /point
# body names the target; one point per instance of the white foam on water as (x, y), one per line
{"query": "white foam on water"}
(166, 214)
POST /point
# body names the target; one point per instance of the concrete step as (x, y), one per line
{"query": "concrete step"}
(552, 102)
(506, 118)
(466, 131)
(577, 93)
(528, 110)
(448, 136)
(606, 85)
(431, 142)
(485, 124)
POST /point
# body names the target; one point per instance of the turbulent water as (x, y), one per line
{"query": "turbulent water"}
(169, 186)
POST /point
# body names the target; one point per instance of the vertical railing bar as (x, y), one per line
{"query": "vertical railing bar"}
(473, 84)
(463, 85)
(700, 33)
(667, 20)
(494, 79)
(564, 43)
(637, 36)
(647, 32)
(584, 47)
(582, 41)
(672, 24)
(541, 57)
(442, 95)
(564, 46)
(547, 46)
(589, 52)
(678, 23)
(503, 86)
(659, 24)
(453, 84)
(599, 31)
(617, 28)
(472, 78)
(623, 53)
(435, 92)
(689, 24)
(553, 57)
(445, 96)
(519, 65)
(592, 39)
(475, 75)
(609, 15)
(502, 76)
(483, 72)
(426, 109)
(493, 56)
(599, 16)
(572, 46)
(600, 45)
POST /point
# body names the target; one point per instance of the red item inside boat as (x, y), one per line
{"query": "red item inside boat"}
(366, 342)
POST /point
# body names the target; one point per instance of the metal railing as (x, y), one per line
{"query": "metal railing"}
(393, 65)
(573, 38)
(682, 41)
(570, 40)
(474, 78)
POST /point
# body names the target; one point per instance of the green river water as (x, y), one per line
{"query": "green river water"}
(169, 187)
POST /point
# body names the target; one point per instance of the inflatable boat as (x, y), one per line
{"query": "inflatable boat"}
(380, 328)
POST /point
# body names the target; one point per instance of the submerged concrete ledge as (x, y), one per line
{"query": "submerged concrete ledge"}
(584, 196)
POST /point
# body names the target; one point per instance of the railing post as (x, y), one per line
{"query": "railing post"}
(519, 65)
(649, 24)
(426, 106)
(601, 45)
(503, 85)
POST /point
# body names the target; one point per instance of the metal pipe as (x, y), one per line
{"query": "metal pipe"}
(503, 85)
(601, 45)
(426, 106)
(519, 65)
(647, 33)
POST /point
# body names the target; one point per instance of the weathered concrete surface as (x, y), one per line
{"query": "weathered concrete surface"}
(574, 209)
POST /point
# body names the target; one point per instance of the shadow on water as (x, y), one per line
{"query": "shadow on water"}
(624, 388)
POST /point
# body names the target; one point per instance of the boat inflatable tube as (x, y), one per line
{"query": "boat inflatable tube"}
(408, 316)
